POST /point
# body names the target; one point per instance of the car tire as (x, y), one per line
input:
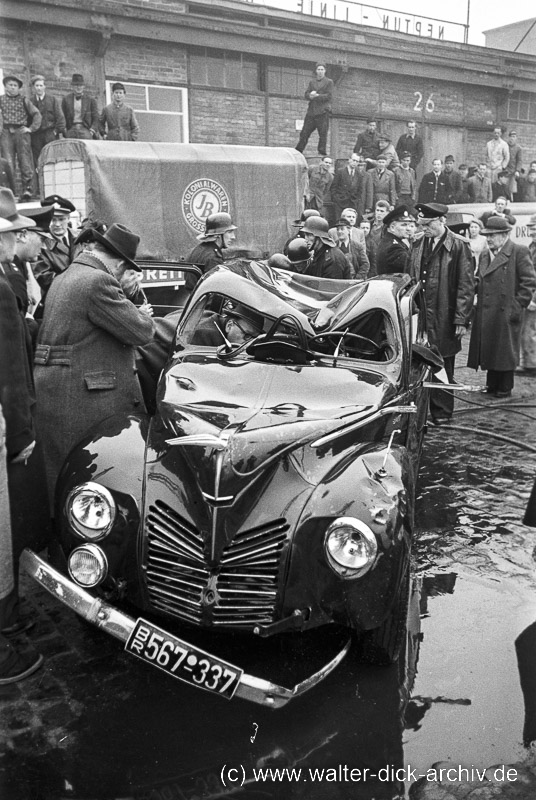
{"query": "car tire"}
(381, 646)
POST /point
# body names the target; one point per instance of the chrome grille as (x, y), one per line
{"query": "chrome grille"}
(244, 583)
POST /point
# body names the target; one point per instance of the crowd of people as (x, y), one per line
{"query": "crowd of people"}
(379, 170)
(28, 124)
(72, 314)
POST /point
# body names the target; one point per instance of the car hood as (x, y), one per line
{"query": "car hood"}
(256, 411)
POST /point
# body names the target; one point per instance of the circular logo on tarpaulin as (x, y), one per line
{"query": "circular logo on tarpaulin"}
(202, 198)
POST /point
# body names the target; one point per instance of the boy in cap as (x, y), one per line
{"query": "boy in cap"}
(319, 93)
(405, 182)
(117, 121)
(20, 119)
(442, 261)
(80, 111)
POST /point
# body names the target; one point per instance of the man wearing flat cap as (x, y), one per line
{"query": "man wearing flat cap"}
(319, 93)
(394, 249)
(506, 285)
(80, 111)
(84, 362)
(442, 261)
(117, 121)
(19, 118)
(387, 149)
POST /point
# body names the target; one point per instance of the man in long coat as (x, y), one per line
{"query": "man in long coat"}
(506, 283)
(84, 362)
(442, 261)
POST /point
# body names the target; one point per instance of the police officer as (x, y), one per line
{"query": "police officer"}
(58, 249)
(298, 255)
(394, 249)
(219, 234)
(328, 261)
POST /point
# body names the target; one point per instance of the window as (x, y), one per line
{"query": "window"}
(224, 70)
(287, 80)
(161, 111)
(522, 106)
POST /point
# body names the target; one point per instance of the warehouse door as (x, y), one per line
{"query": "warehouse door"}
(441, 141)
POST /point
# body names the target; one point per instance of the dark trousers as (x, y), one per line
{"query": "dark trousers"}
(500, 381)
(311, 124)
(442, 400)
(17, 145)
(39, 140)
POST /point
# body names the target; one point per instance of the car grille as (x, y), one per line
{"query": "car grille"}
(240, 593)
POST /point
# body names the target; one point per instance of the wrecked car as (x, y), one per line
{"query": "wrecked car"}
(272, 491)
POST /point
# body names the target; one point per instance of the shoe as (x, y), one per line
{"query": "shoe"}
(503, 394)
(441, 420)
(23, 624)
(18, 666)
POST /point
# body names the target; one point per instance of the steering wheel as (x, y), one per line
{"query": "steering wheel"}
(346, 335)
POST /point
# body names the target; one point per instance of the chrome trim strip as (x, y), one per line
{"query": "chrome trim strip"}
(120, 625)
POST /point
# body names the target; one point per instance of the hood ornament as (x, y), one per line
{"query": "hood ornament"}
(202, 440)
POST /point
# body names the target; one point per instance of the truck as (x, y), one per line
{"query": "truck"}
(164, 193)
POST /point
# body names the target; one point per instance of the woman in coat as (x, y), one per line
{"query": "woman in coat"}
(506, 282)
(85, 368)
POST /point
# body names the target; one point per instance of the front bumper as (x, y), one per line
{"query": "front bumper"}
(120, 625)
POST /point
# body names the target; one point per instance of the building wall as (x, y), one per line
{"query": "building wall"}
(455, 117)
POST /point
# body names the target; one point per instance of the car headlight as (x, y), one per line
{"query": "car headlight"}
(88, 565)
(90, 509)
(350, 546)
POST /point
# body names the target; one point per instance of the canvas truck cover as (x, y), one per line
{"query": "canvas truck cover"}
(164, 192)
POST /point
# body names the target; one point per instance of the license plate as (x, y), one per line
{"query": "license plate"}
(180, 659)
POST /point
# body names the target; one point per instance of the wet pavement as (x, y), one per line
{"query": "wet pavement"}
(95, 723)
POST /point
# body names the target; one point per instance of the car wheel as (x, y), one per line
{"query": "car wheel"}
(382, 645)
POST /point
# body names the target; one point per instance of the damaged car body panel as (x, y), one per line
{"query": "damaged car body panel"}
(273, 490)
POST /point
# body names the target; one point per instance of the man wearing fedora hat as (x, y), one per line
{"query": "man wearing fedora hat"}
(442, 261)
(219, 234)
(84, 361)
(80, 111)
(19, 118)
(506, 284)
(117, 120)
(328, 261)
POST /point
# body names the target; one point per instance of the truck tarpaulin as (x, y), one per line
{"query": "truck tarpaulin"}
(165, 191)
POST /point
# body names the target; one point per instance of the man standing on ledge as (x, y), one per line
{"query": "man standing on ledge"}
(319, 93)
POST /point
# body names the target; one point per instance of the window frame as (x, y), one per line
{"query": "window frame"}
(185, 126)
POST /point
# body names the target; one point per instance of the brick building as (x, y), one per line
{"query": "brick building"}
(231, 72)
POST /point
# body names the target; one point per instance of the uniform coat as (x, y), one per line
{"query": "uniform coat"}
(505, 288)
(448, 289)
(54, 258)
(85, 358)
(392, 255)
(205, 255)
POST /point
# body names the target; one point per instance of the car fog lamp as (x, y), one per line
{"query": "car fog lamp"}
(90, 510)
(351, 547)
(88, 565)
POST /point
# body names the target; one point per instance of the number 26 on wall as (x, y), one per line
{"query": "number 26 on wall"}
(429, 105)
